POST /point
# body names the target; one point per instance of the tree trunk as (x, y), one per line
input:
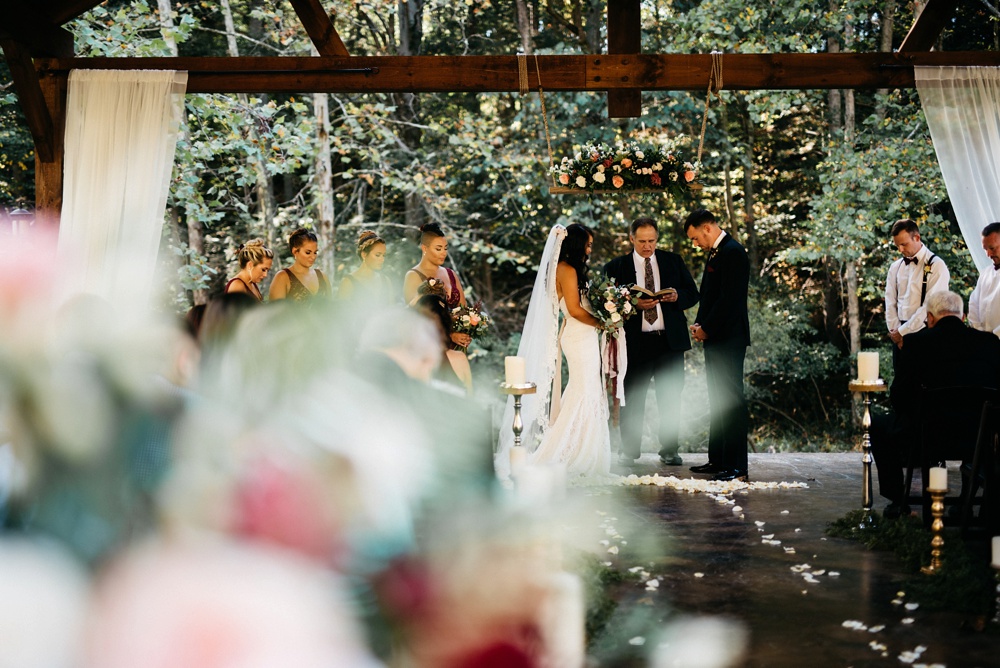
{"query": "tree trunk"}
(266, 205)
(525, 25)
(324, 185)
(749, 220)
(410, 17)
(885, 45)
(196, 242)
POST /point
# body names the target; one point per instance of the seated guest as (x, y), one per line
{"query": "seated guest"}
(455, 369)
(945, 354)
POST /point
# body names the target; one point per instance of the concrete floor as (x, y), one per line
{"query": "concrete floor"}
(789, 620)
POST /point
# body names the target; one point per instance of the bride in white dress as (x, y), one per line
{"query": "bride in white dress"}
(568, 428)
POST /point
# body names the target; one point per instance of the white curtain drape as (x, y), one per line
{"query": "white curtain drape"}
(962, 105)
(121, 132)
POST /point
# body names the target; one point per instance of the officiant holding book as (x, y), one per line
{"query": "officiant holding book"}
(656, 340)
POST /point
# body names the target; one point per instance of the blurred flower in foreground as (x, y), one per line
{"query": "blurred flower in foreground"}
(219, 604)
(43, 605)
(701, 642)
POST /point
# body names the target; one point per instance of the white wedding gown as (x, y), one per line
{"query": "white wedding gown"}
(578, 437)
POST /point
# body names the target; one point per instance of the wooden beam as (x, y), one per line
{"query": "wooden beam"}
(29, 94)
(928, 26)
(49, 175)
(63, 11)
(24, 23)
(477, 74)
(319, 28)
(624, 37)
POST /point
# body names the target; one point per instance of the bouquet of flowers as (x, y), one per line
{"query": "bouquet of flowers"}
(623, 166)
(471, 320)
(612, 304)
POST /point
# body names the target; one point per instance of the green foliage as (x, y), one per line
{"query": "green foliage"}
(965, 583)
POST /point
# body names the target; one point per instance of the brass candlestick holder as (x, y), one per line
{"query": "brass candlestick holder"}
(865, 388)
(937, 527)
(517, 391)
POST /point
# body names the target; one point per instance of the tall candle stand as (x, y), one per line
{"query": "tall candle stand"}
(517, 391)
(937, 528)
(996, 604)
(865, 388)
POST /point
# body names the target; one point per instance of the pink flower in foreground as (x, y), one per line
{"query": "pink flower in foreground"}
(617, 181)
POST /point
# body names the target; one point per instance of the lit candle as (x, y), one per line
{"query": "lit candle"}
(996, 551)
(514, 370)
(518, 456)
(939, 479)
(867, 367)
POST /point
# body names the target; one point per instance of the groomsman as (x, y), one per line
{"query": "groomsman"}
(656, 340)
(723, 326)
(911, 279)
(984, 304)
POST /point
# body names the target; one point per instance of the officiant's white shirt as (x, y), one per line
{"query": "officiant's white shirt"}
(984, 304)
(640, 275)
(903, 286)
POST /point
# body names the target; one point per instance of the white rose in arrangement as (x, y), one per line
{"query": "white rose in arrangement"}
(599, 177)
(657, 167)
(581, 181)
(615, 317)
(465, 319)
(640, 155)
(617, 168)
(600, 167)
(627, 308)
(673, 176)
(610, 307)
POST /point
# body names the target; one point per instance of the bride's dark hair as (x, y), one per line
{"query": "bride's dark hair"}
(574, 251)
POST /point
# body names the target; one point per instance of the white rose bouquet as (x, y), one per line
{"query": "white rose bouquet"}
(471, 320)
(612, 304)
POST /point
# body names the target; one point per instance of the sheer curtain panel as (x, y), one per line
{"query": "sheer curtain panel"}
(121, 132)
(962, 105)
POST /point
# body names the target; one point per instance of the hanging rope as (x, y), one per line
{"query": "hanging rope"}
(522, 80)
(714, 86)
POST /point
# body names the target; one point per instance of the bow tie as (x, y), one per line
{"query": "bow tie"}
(908, 260)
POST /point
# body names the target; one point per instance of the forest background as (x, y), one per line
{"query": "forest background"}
(808, 181)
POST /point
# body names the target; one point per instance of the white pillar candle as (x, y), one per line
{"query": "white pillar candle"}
(514, 370)
(939, 479)
(996, 551)
(867, 367)
(518, 456)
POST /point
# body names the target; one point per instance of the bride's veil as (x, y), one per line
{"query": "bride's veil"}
(539, 348)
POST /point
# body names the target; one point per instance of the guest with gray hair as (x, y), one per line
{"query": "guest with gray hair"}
(945, 354)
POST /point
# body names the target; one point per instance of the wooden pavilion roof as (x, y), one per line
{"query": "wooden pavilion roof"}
(40, 54)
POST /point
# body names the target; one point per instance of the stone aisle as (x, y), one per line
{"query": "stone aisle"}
(802, 598)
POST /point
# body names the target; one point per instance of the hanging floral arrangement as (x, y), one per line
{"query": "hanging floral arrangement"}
(625, 166)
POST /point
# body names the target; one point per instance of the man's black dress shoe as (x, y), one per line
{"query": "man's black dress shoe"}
(731, 474)
(706, 468)
(895, 510)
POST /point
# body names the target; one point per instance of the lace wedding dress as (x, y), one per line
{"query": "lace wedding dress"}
(571, 428)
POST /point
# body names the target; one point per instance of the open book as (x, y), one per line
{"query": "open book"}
(659, 294)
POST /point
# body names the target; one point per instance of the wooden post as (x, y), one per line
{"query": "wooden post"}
(49, 174)
(624, 37)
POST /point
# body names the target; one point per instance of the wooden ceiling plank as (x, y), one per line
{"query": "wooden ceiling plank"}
(624, 37)
(35, 31)
(63, 11)
(474, 74)
(928, 26)
(319, 28)
(29, 94)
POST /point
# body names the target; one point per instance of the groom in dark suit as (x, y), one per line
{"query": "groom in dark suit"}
(656, 339)
(723, 326)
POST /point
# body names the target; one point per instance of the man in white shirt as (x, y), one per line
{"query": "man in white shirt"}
(911, 279)
(984, 304)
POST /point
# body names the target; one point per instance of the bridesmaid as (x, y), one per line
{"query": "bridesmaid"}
(434, 252)
(301, 282)
(255, 262)
(368, 280)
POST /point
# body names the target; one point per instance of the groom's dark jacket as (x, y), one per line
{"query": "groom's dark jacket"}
(673, 274)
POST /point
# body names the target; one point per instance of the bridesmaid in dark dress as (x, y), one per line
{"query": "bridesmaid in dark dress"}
(301, 282)
(434, 253)
(255, 262)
